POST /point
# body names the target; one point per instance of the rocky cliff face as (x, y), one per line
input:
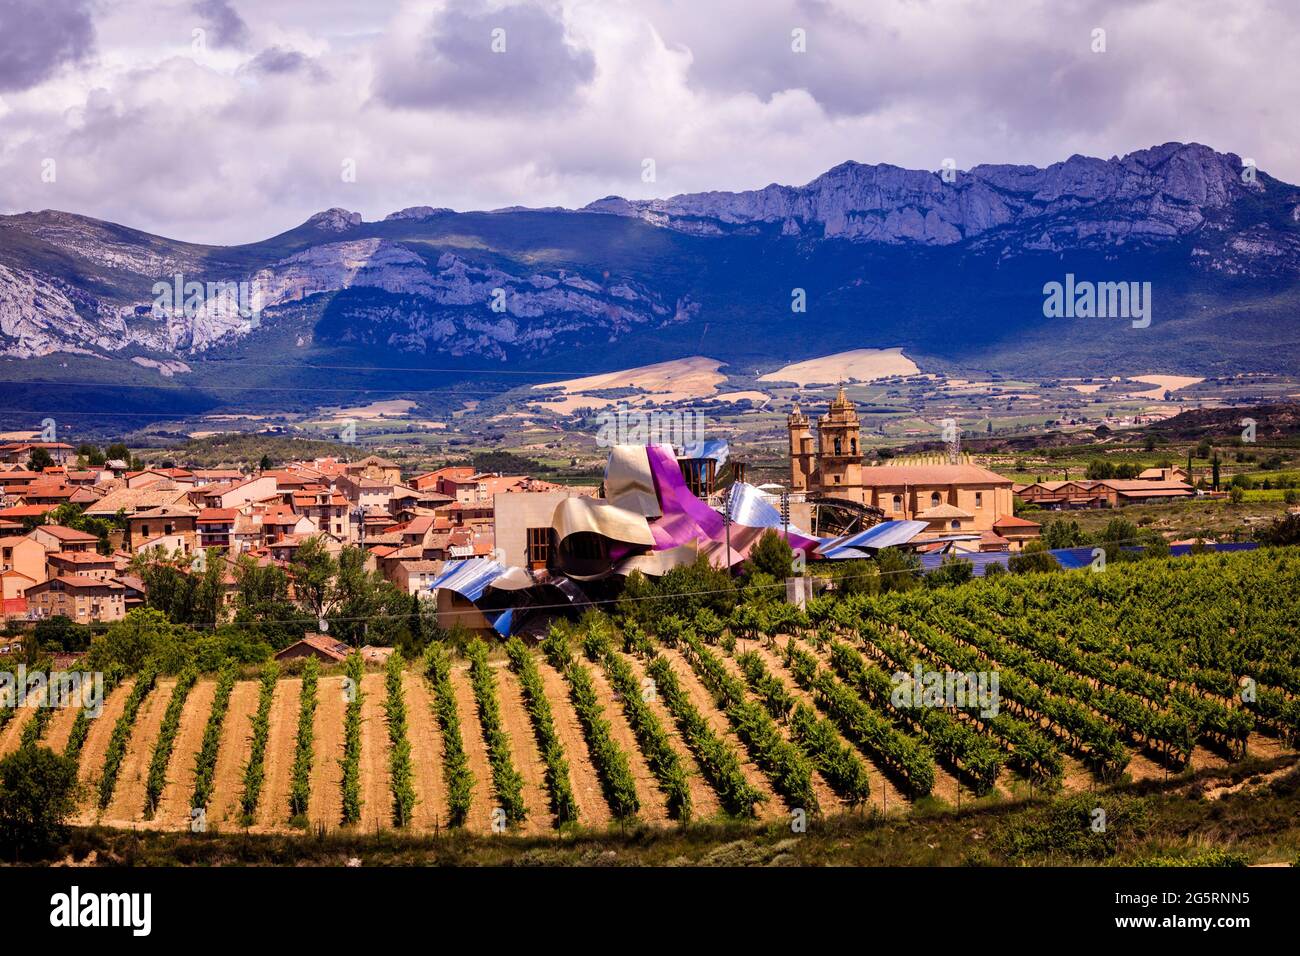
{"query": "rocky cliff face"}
(1154, 194)
(69, 284)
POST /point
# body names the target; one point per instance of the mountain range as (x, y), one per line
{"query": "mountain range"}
(949, 264)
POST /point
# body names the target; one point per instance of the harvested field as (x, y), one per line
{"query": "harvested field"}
(127, 805)
(483, 799)
(325, 806)
(228, 776)
(376, 791)
(593, 811)
(12, 734)
(773, 807)
(174, 805)
(654, 806)
(523, 749)
(703, 798)
(96, 745)
(59, 728)
(273, 806)
(426, 755)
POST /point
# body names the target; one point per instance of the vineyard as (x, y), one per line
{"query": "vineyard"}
(1146, 671)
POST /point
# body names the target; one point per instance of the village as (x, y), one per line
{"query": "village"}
(76, 538)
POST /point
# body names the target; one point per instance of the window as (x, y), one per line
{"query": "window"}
(839, 448)
(898, 502)
(979, 499)
(539, 546)
(934, 499)
(853, 445)
(956, 525)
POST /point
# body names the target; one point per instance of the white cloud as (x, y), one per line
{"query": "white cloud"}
(247, 138)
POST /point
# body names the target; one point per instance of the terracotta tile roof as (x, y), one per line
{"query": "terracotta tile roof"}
(82, 581)
(1011, 521)
(942, 511)
(68, 534)
(886, 475)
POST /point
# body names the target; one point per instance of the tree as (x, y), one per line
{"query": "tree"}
(1237, 495)
(1060, 533)
(772, 555)
(143, 636)
(38, 792)
(61, 632)
(899, 570)
(952, 570)
(91, 455)
(1118, 533)
(117, 452)
(1214, 483)
(262, 604)
(1099, 469)
(1034, 558)
(40, 460)
(1283, 531)
(313, 569)
(264, 464)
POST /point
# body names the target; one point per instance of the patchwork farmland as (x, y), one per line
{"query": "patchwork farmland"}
(1142, 672)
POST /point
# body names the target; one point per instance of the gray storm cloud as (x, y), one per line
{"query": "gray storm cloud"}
(39, 36)
(472, 58)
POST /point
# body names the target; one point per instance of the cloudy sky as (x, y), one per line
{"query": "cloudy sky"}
(232, 120)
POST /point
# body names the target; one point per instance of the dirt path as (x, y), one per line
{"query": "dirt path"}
(127, 805)
(12, 734)
(827, 799)
(228, 775)
(277, 771)
(654, 805)
(426, 755)
(376, 790)
(524, 751)
(593, 811)
(174, 804)
(59, 728)
(325, 804)
(773, 807)
(483, 799)
(705, 804)
(96, 745)
(884, 794)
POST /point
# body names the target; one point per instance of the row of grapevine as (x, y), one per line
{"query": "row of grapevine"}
(973, 754)
(304, 743)
(610, 760)
(455, 765)
(1031, 752)
(507, 782)
(655, 743)
(121, 736)
(81, 723)
(785, 764)
(401, 779)
(558, 786)
(818, 738)
(904, 755)
(354, 669)
(718, 761)
(162, 751)
(205, 764)
(255, 769)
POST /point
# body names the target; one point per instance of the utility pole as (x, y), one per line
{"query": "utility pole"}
(726, 522)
